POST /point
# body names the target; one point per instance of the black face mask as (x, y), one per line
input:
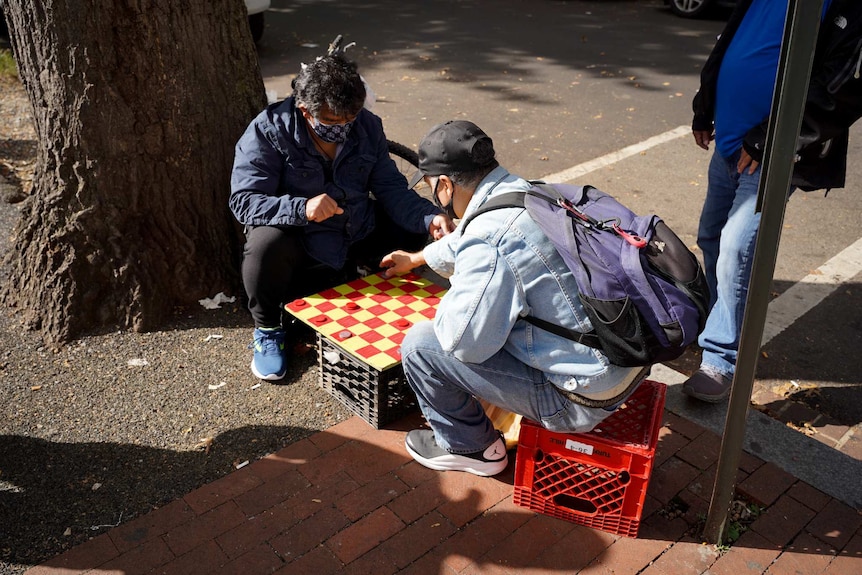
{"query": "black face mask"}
(449, 210)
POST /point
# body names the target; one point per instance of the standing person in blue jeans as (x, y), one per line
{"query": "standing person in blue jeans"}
(302, 180)
(479, 346)
(732, 107)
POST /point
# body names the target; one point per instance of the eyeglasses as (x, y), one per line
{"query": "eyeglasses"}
(334, 120)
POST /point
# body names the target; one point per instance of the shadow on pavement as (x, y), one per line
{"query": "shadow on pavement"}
(56, 495)
(464, 42)
(818, 365)
(351, 498)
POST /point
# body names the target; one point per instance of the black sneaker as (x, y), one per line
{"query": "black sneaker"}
(422, 446)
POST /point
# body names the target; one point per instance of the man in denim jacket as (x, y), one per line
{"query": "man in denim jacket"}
(302, 177)
(479, 346)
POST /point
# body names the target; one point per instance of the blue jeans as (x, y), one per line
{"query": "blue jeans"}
(727, 237)
(447, 388)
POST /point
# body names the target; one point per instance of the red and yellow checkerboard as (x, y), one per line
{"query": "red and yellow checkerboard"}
(368, 317)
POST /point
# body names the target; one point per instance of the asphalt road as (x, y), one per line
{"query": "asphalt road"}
(558, 84)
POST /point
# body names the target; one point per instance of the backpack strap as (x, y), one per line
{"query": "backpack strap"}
(590, 339)
(550, 195)
(516, 200)
(509, 200)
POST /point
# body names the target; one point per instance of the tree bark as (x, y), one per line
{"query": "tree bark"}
(137, 106)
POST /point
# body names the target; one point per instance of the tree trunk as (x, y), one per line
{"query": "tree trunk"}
(137, 106)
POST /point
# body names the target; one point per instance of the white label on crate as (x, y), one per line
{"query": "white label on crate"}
(579, 447)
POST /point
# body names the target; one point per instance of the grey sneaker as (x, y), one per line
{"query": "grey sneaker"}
(707, 384)
(422, 446)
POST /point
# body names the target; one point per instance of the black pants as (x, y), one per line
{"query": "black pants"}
(276, 269)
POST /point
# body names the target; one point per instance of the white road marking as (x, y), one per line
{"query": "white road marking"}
(577, 171)
(803, 296)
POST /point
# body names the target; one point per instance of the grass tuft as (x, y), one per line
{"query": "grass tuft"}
(8, 68)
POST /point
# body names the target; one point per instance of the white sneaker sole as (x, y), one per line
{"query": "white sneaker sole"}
(270, 377)
(455, 462)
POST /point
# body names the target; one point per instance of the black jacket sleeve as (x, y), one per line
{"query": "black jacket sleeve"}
(703, 104)
(834, 99)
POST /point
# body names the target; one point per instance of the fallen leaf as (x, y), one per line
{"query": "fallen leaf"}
(303, 348)
(205, 443)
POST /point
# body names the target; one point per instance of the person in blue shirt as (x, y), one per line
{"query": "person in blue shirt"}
(501, 269)
(732, 107)
(303, 176)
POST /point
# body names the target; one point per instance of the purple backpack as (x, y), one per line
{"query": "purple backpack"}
(642, 288)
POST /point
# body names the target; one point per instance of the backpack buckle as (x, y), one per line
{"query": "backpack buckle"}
(632, 239)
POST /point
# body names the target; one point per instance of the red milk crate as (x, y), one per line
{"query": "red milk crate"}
(597, 479)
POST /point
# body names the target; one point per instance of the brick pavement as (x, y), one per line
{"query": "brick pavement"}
(797, 414)
(350, 500)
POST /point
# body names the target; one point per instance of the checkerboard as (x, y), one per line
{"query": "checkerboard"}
(368, 317)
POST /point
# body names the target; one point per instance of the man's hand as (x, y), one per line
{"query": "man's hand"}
(400, 262)
(321, 208)
(746, 161)
(440, 226)
(703, 137)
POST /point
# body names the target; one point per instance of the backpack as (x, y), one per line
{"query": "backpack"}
(642, 288)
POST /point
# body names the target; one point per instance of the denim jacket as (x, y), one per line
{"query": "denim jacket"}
(277, 169)
(500, 270)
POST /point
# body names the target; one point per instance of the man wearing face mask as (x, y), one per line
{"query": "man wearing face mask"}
(302, 180)
(501, 269)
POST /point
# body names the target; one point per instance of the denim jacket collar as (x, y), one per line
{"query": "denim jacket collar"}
(486, 188)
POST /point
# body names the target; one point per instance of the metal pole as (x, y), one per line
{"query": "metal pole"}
(788, 101)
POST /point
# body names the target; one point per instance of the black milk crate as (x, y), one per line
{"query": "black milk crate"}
(378, 397)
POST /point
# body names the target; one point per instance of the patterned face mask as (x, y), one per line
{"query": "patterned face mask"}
(332, 133)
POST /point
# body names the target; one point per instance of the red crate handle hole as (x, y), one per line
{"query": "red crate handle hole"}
(575, 504)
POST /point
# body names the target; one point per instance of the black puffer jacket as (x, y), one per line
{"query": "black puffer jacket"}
(834, 96)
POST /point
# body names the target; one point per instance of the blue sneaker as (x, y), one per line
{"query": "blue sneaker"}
(268, 362)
